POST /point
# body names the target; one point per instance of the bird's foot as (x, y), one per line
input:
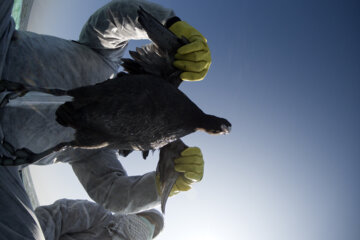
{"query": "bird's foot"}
(9, 156)
(15, 90)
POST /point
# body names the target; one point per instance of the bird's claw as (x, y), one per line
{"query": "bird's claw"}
(24, 153)
(8, 147)
(5, 161)
(15, 156)
(15, 90)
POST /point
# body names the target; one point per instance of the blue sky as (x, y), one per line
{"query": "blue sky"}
(286, 74)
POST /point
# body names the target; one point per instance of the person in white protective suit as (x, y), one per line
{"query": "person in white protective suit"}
(52, 62)
(80, 219)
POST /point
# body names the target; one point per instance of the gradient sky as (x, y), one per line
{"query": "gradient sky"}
(286, 74)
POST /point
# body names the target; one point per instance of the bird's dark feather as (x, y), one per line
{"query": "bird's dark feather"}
(157, 57)
(135, 112)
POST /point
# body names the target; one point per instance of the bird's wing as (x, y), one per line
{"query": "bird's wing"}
(166, 168)
(157, 57)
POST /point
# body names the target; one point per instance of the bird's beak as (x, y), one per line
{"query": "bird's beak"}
(225, 129)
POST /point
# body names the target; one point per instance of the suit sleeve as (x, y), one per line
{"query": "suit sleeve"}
(107, 183)
(70, 216)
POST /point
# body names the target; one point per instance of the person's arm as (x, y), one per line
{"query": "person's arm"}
(110, 28)
(107, 183)
(70, 216)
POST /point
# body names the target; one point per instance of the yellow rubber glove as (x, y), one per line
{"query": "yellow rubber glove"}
(194, 58)
(191, 164)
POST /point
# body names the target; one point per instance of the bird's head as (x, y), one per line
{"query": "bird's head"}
(215, 125)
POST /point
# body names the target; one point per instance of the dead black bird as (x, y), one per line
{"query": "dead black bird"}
(139, 110)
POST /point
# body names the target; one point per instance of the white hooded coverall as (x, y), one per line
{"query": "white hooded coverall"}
(68, 219)
(52, 62)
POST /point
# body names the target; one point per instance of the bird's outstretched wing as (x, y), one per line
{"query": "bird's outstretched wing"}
(166, 168)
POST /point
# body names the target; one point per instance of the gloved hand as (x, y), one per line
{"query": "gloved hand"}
(191, 164)
(193, 58)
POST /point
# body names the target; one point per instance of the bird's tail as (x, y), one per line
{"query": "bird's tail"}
(155, 58)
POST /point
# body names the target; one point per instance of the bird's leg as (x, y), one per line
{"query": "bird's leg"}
(124, 153)
(18, 90)
(15, 89)
(14, 156)
(24, 156)
(145, 154)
